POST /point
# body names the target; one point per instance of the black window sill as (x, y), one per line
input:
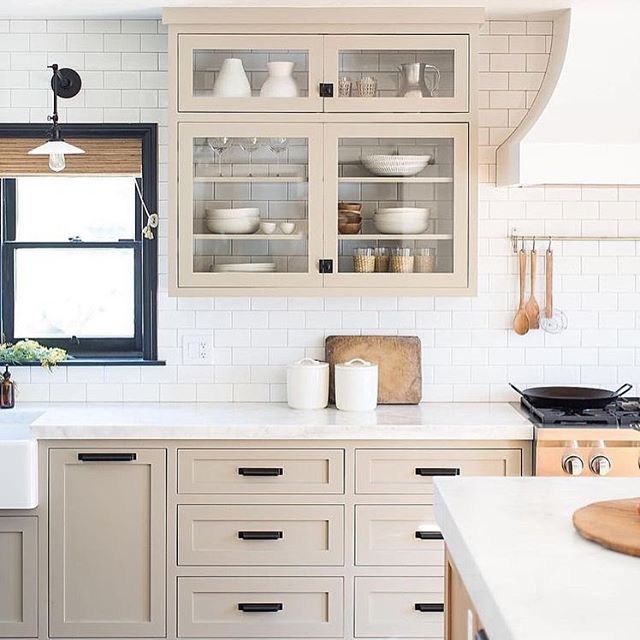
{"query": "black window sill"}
(95, 362)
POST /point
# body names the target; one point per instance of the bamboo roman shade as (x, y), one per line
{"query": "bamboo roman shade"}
(104, 156)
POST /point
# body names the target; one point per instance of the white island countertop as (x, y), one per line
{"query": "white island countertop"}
(230, 421)
(530, 575)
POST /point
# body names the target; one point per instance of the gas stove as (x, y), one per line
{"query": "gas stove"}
(590, 442)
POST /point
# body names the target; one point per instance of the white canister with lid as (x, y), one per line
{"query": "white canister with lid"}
(356, 385)
(308, 384)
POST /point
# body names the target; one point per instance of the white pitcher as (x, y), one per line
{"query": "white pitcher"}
(232, 81)
(280, 82)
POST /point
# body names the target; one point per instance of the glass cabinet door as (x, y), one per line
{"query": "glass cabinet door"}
(396, 205)
(398, 73)
(250, 205)
(249, 73)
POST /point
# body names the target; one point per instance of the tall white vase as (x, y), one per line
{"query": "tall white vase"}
(232, 81)
(280, 82)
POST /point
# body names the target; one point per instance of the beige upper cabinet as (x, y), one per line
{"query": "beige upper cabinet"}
(107, 546)
(18, 577)
(278, 115)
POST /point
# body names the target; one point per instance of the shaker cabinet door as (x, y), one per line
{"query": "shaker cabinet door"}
(18, 577)
(107, 543)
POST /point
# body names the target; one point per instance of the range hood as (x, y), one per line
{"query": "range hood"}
(584, 126)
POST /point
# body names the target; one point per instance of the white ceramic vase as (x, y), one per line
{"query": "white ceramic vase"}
(232, 81)
(280, 82)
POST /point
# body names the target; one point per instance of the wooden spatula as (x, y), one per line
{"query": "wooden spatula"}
(521, 320)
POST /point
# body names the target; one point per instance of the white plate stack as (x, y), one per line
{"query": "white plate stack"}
(402, 220)
(245, 267)
(240, 221)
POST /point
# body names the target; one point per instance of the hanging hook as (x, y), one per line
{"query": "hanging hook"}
(549, 247)
(522, 245)
(533, 246)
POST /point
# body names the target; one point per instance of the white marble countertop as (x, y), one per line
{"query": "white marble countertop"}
(230, 421)
(529, 573)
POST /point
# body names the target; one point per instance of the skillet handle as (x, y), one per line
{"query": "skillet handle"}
(522, 393)
(622, 390)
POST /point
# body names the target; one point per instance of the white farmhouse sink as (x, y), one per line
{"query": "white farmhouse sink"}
(18, 474)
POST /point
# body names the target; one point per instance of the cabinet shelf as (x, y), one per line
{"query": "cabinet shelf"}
(249, 236)
(414, 180)
(393, 236)
(250, 179)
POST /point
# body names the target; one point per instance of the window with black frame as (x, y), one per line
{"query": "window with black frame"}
(77, 270)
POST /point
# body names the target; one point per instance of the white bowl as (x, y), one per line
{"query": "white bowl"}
(387, 165)
(268, 227)
(245, 212)
(404, 211)
(400, 225)
(256, 267)
(287, 227)
(238, 225)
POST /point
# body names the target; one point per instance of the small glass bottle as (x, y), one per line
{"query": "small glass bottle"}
(7, 391)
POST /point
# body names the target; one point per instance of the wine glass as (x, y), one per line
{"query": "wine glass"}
(219, 146)
(201, 156)
(250, 145)
(278, 146)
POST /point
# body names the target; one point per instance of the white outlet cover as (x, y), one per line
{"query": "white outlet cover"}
(197, 349)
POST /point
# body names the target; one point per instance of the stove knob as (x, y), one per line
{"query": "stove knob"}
(573, 465)
(600, 465)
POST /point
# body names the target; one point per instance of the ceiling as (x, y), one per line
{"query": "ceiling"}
(40, 9)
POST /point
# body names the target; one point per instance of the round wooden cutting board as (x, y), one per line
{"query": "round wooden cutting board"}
(614, 524)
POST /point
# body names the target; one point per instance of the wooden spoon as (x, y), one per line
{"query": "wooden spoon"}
(521, 321)
(532, 308)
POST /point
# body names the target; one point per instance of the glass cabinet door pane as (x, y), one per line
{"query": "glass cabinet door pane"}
(390, 73)
(401, 204)
(250, 73)
(249, 210)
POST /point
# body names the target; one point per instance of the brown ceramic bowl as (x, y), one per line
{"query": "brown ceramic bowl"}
(349, 216)
(349, 228)
(356, 207)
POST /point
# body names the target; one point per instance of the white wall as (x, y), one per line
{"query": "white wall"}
(469, 351)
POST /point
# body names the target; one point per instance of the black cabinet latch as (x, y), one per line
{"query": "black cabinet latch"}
(326, 90)
(326, 266)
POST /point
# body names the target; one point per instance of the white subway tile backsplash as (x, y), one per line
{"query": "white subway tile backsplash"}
(469, 351)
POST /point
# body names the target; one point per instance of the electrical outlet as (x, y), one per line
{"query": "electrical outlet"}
(197, 349)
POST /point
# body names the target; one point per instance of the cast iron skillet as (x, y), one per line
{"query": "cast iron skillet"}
(577, 398)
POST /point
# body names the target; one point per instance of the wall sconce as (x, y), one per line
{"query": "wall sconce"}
(65, 83)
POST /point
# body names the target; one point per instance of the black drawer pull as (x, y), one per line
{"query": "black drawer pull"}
(429, 535)
(260, 471)
(437, 471)
(481, 635)
(260, 535)
(260, 607)
(106, 457)
(429, 607)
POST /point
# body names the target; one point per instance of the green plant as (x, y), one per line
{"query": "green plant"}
(26, 351)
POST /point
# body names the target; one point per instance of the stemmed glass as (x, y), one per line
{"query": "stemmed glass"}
(250, 145)
(219, 146)
(278, 146)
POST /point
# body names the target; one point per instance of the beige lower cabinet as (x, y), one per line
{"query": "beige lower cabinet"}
(18, 577)
(462, 621)
(266, 607)
(107, 549)
(402, 607)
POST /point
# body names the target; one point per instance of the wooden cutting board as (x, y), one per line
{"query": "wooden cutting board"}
(614, 524)
(398, 359)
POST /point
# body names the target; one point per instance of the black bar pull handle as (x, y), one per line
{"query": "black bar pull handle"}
(254, 472)
(429, 607)
(481, 635)
(260, 607)
(106, 457)
(437, 471)
(260, 535)
(429, 535)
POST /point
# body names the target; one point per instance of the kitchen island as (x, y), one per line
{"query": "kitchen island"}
(529, 575)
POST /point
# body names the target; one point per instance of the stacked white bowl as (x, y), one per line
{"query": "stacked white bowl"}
(401, 220)
(241, 220)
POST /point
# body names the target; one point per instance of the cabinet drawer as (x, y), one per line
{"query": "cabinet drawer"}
(296, 607)
(398, 535)
(404, 471)
(260, 535)
(399, 607)
(260, 471)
